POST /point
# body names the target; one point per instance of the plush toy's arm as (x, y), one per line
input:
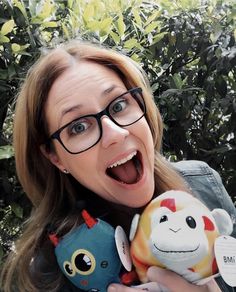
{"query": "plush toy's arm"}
(223, 221)
(134, 226)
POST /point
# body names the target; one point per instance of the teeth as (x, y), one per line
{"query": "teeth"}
(122, 161)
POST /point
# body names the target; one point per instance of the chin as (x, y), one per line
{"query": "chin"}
(138, 200)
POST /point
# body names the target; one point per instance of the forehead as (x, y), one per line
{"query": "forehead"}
(83, 75)
(81, 85)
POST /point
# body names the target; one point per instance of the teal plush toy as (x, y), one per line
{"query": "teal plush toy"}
(90, 255)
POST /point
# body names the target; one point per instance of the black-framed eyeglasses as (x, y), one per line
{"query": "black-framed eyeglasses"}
(84, 132)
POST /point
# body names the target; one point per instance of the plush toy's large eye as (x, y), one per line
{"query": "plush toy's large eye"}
(83, 262)
(163, 218)
(68, 269)
(191, 222)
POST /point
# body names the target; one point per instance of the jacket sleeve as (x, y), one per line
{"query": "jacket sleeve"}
(206, 185)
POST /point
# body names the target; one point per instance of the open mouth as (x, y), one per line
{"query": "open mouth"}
(128, 170)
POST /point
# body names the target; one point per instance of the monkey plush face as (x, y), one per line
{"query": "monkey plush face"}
(177, 231)
(179, 237)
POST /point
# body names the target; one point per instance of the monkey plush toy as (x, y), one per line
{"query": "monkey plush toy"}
(177, 231)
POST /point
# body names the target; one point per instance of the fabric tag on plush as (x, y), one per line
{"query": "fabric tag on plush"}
(122, 246)
(225, 252)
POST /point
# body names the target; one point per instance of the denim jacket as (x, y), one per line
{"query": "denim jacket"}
(206, 185)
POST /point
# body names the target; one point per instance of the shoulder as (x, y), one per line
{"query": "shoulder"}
(201, 178)
(206, 184)
(192, 167)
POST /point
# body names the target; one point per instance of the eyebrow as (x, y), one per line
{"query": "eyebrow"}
(76, 107)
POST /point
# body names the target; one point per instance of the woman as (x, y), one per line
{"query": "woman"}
(87, 131)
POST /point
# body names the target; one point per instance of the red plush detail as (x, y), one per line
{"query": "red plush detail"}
(129, 278)
(208, 224)
(191, 269)
(169, 203)
(89, 220)
(54, 239)
(214, 267)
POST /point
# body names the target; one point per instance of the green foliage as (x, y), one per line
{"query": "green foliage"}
(186, 47)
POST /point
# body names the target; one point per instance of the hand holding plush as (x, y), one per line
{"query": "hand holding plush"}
(176, 231)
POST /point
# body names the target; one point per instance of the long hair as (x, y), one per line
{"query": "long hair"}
(52, 193)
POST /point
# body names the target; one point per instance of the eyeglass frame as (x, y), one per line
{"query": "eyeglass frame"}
(98, 116)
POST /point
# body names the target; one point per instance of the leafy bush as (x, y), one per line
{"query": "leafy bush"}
(187, 49)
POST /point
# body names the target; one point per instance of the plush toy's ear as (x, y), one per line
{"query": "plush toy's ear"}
(223, 221)
(134, 226)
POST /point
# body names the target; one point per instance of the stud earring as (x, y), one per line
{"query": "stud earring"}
(65, 171)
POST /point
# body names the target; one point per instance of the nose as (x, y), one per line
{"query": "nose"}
(112, 133)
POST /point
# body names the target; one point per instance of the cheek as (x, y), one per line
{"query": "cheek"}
(83, 167)
(145, 135)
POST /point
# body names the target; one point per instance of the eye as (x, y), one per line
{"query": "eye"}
(78, 127)
(163, 218)
(118, 106)
(191, 222)
(68, 269)
(83, 262)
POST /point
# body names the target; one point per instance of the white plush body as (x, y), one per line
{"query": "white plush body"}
(176, 231)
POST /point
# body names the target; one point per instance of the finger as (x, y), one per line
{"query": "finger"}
(173, 282)
(121, 288)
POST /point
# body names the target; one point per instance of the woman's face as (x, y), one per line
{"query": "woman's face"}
(120, 167)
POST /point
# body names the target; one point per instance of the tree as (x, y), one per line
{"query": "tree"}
(186, 47)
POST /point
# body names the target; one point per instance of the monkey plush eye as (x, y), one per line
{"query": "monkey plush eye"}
(191, 222)
(68, 269)
(83, 262)
(163, 218)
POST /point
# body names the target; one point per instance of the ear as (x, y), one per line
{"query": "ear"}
(52, 157)
(134, 226)
(223, 221)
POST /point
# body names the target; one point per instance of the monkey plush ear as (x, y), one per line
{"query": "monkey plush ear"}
(223, 221)
(133, 227)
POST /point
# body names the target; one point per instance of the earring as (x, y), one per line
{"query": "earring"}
(65, 171)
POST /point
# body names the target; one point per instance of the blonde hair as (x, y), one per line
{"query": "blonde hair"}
(50, 191)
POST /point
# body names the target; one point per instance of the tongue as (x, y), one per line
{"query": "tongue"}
(126, 172)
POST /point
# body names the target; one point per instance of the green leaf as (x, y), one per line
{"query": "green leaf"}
(152, 17)
(105, 25)
(136, 58)
(115, 37)
(151, 27)
(178, 83)
(15, 47)
(129, 44)
(88, 12)
(20, 6)
(158, 37)
(7, 27)
(6, 152)
(4, 39)
(93, 25)
(47, 9)
(70, 3)
(49, 24)
(137, 16)
(121, 26)
(18, 211)
(65, 31)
